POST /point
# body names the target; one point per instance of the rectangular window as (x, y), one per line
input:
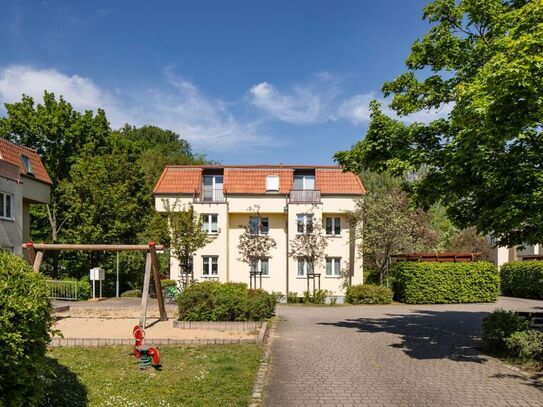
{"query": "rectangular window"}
(259, 225)
(304, 268)
(27, 165)
(304, 223)
(272, 183)
(212, 188)
(333, 226)
(261, 265)
(211, 266)
(333, 266)
(304, 182)
(6, 206)
(210, 222)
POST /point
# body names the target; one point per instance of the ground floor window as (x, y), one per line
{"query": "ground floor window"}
(304, 268)
(211, 265)
(333, 266)
(261, 265)
(6, 206)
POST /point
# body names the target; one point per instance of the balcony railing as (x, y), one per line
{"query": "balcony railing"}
(9, 170)
(209, 195)
(305, 196)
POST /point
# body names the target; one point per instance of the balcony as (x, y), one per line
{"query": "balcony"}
(9, 170)
(305, 196)
(210, 195)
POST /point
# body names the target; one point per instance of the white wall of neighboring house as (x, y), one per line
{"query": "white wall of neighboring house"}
(502, 255)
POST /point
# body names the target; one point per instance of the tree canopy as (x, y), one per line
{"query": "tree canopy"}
(483, 60)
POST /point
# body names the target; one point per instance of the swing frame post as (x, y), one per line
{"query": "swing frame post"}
(35, 252)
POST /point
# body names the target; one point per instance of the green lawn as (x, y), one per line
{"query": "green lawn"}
(221, 375)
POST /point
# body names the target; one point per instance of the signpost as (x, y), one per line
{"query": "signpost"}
(97, 274)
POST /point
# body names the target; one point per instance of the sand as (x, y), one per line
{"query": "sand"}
(121, 328)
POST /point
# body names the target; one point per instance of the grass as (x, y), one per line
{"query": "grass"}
(221, 375)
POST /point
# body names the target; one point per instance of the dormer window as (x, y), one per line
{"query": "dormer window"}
(27, 165)
(272, 183)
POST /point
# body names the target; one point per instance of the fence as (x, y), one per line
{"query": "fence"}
(62, 290)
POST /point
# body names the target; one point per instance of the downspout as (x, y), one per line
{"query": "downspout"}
(287, 243)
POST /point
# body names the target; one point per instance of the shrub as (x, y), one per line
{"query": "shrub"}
(446, 283)
(84, 289)
(522, 279)
(368, 294)
(292, 298)
(526, 345)
(279, 296)
(25, 324)
(166, 282)
(499, 326)
(213, 301)
(317, 297)
(131, 294)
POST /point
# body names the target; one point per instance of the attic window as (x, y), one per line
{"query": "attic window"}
(272, 183)
(27, 165)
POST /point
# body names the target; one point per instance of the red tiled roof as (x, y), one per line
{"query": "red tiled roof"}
(336, 181)
(179, 179)
(12, 153)
(251, 179)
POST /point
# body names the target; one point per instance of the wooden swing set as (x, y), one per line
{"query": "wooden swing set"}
(35, 253)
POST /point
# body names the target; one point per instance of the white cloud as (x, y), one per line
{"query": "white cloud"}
(357, 110)
(180, 106)
(304, 104)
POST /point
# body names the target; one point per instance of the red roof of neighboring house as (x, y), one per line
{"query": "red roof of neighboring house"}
(13, 154)
(251, 179)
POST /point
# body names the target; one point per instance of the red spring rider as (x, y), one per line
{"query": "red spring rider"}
(148, 356)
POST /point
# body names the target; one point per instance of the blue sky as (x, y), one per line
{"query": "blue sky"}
(243, 81)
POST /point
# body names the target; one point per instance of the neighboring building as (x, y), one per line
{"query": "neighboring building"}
(289, 198)
(23, 182)
(502, 255)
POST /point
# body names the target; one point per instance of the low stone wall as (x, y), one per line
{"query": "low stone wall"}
(96, 342)
(245, 326)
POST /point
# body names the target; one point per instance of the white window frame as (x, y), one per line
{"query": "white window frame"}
(3, 205)
(334, 271)
(259, 265)
(305, 268)
(335, 221)
(272, 183)
(208, 217)
(307, 181)
(306, 219)
(260, 231)
(209, 272)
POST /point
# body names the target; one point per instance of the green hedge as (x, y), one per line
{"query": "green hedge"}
(25, 322)
(523, 279)
(213, 301)
(368, 294)
(446, 283)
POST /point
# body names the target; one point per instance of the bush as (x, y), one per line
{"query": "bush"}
(368, 294)
(316, 297)
(526, 345)
(498, 327)
(84, 289)
(522, 279)
(25, 322)
(292, 298)
(213, 301)
(165, 283)
(131, 294)
(446, 283)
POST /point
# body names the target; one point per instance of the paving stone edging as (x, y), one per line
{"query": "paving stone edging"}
(263, 371)
(220, 325)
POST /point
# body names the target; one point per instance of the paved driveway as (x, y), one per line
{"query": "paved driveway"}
(393, 355)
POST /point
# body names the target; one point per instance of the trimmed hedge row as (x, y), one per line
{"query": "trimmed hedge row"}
(523, 279)
(25, 323)
(368, 294)
(214, 301)
(446, 283)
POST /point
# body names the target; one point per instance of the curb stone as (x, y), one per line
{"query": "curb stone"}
(267, 332)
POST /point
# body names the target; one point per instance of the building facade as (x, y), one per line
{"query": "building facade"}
(23, 182)
(279, 201)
